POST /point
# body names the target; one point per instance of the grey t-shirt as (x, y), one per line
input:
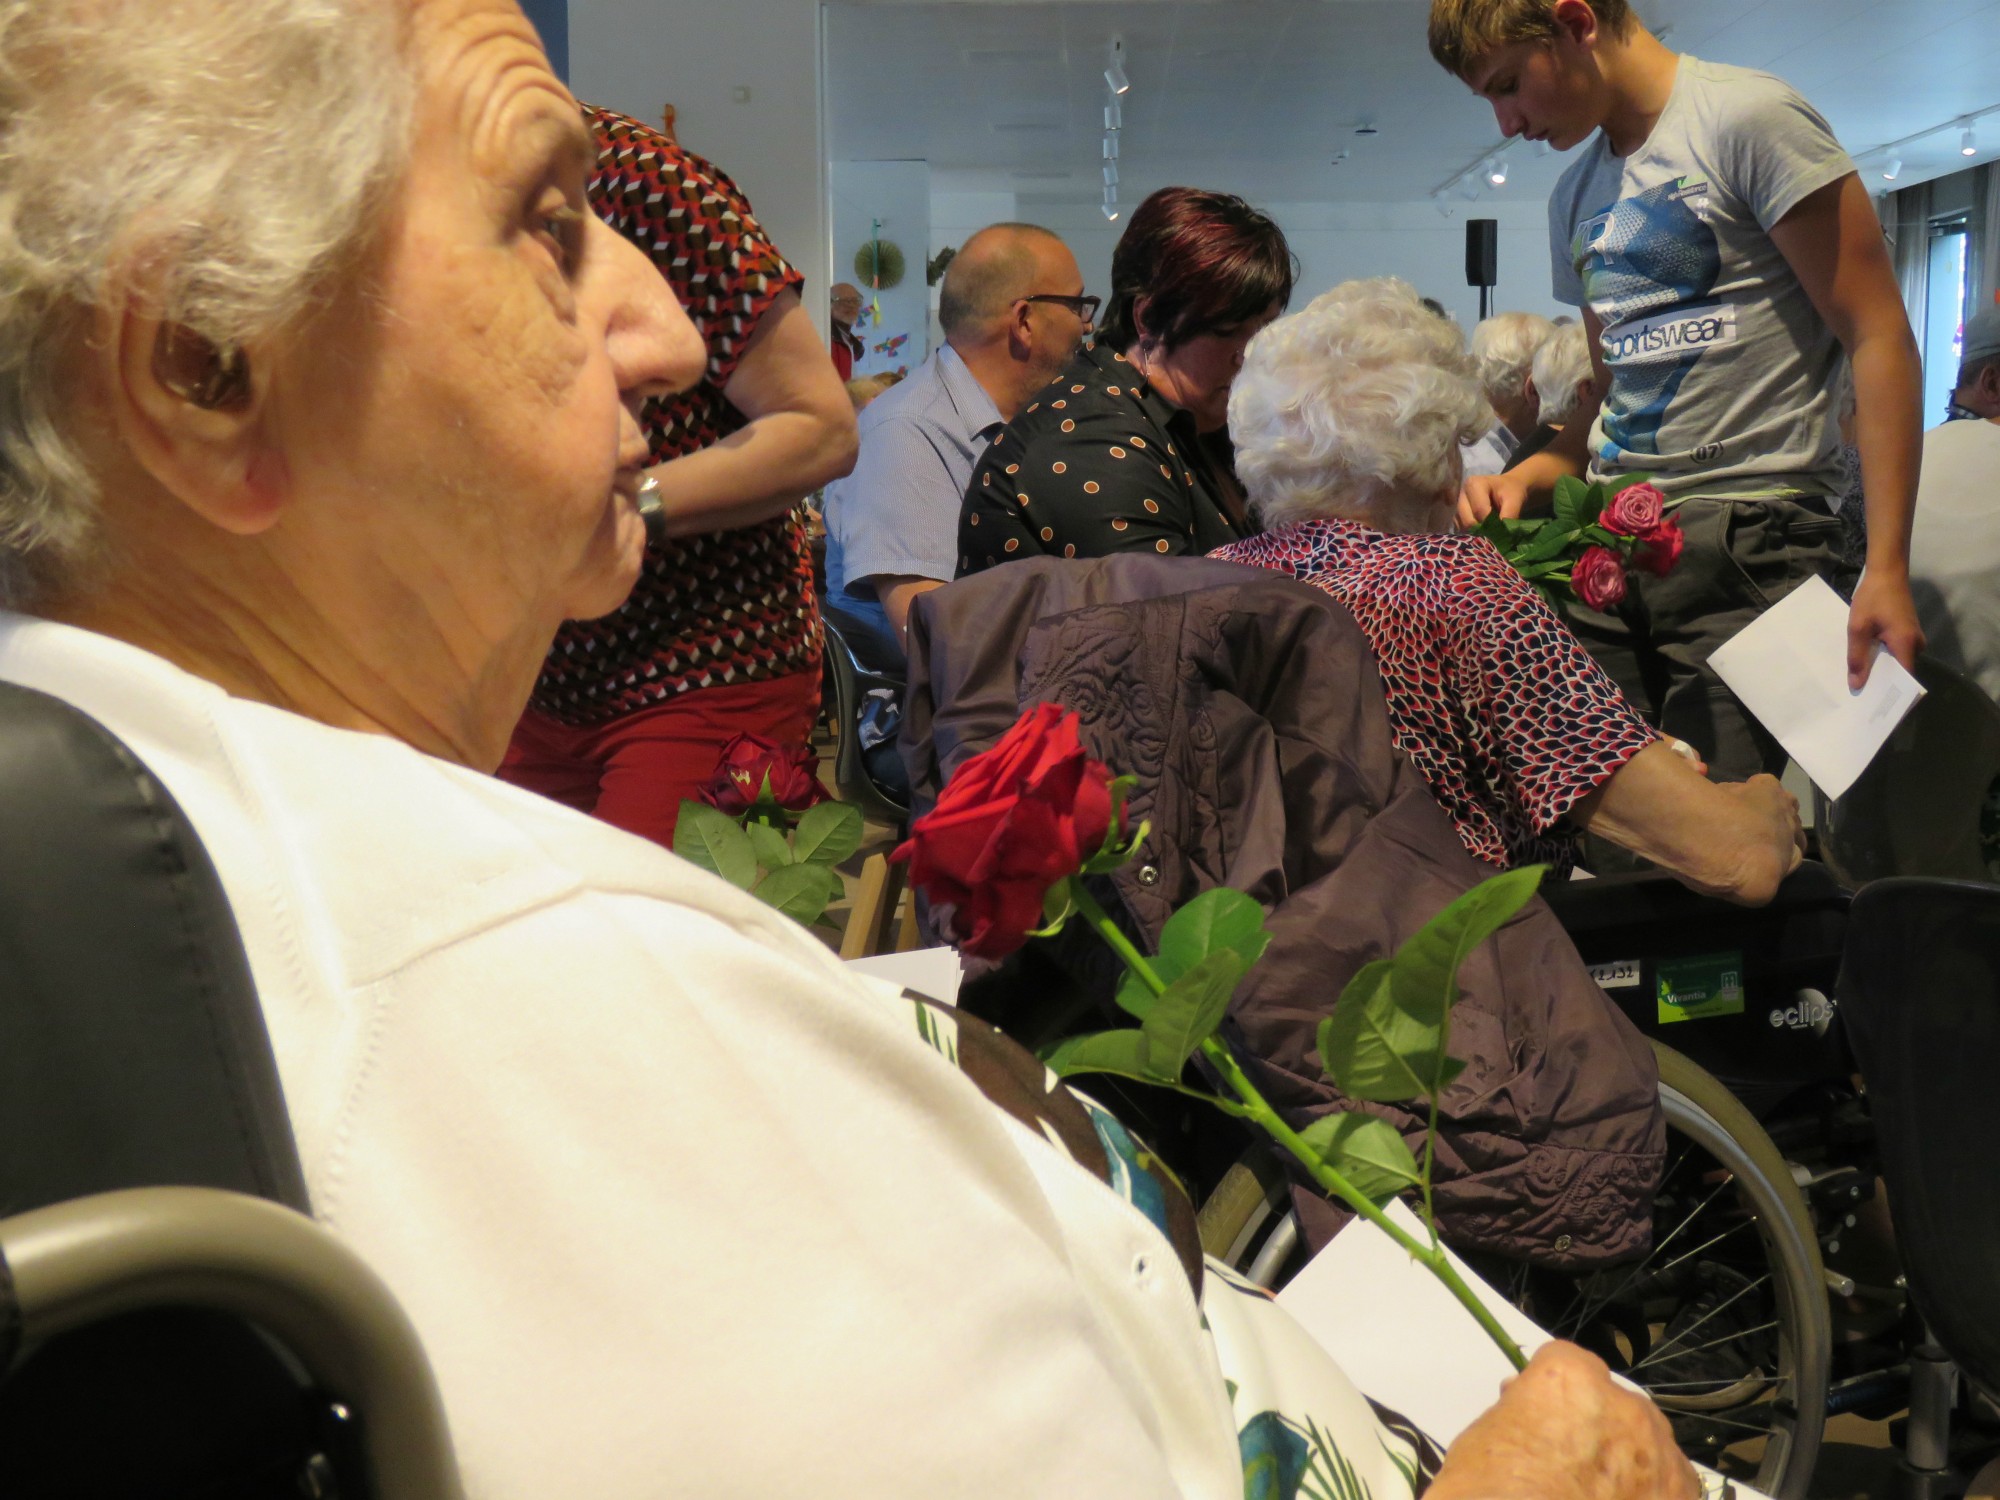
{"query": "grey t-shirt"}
(1724, 378)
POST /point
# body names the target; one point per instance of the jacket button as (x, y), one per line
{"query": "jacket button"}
(1562, 1243)
(1149, 874)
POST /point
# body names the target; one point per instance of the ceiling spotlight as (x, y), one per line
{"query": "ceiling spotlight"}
(1892, 168)
(1114, 115)
(1111, 174)
(1968, 144)
(1443, 208)
(1115, 74)
(1496, 171)
(1111, 148)
(1469, 189)
(1111, 212)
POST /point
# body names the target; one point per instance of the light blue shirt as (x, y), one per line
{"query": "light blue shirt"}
(897, 513)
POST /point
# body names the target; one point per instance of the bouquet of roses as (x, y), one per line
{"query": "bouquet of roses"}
(1590, 541)
(1005, 851)
(764, 823)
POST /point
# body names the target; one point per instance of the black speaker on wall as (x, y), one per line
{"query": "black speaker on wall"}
(1482, 257)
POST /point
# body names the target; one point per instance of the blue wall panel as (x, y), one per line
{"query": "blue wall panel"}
(551, 18)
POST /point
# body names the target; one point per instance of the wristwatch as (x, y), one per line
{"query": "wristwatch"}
(652, 511)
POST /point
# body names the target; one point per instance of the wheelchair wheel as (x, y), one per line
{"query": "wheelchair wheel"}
(1724, 1321)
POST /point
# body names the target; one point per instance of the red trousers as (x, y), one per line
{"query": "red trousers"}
(633, 771)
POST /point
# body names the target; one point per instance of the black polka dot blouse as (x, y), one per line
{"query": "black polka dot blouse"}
(1097, 463)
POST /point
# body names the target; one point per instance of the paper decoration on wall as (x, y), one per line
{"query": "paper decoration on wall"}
(890, 348)
(936, 266)
(879, 264)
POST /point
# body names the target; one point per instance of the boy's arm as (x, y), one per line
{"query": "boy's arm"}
(1530, 485)
(1833, 243)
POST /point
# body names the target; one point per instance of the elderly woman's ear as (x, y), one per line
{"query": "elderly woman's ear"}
(194, 415)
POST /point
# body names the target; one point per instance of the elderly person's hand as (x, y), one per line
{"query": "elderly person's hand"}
(1563, 1430)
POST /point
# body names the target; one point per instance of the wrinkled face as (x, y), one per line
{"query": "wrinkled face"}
(845, 303)
(1197, 375)
(462, 417)
(1544, 91)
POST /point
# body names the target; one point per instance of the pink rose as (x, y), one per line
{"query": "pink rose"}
(1635, 510)
(1659, 549)
(1599, 578)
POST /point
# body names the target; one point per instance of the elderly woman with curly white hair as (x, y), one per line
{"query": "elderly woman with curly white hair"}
(1347, 420)
(317, 416)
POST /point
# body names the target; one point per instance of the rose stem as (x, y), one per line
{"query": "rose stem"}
(1431, 1256)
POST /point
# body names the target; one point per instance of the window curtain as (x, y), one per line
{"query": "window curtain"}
(1984, 290)
(1907, 221)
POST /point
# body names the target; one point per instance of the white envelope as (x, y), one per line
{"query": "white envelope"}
(1789, 667)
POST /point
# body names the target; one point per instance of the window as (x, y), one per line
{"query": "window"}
(1943, 331)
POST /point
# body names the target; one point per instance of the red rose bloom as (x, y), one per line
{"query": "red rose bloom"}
(1011, 823)
(747, 759)
(1659, 549)
(1599, 578)
(1634, 510)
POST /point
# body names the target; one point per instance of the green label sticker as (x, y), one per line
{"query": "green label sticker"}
(1708, 985)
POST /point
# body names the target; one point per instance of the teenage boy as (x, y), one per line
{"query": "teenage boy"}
(1724, 254)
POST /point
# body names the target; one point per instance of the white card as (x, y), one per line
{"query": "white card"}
(1789, 667)
(1403, 1339)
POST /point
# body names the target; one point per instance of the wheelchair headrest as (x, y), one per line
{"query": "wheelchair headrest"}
(132, 1049)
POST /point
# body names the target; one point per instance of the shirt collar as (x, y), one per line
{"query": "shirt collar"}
(975, 408)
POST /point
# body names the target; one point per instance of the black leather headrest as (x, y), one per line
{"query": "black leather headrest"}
(132, 1048)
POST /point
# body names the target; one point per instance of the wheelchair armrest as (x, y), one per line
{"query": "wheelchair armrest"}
(1655, 899)
(78, 1262)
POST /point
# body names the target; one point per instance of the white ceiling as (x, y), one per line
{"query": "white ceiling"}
(1257, 96)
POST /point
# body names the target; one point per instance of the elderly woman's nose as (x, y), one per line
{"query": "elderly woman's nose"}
(654, 349)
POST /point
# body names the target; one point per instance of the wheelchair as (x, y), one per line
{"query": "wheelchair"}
(172, 1324)
(1726, 1319)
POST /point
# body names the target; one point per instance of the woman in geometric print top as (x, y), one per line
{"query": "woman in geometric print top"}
(1347, 420)
(1124, 450)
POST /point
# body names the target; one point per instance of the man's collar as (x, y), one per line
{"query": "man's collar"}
(975, 408)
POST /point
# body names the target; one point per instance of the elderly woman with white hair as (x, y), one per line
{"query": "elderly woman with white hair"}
(1503, 355)
(318, 386)
(1347, 420)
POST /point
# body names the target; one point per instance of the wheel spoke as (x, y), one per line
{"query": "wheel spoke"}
(1733, 1298)
(1581, 1295)
(1591, 1309)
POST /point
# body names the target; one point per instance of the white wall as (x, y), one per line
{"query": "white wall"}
(898, 193)
(636, 55)
(1338, 242)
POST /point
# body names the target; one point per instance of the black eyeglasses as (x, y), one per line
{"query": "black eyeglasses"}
(1084, 307)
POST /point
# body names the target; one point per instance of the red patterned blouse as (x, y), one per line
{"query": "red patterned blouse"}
(732, 606)
(1510, 720)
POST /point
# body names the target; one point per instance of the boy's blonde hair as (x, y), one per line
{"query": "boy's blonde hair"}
(1464, 31)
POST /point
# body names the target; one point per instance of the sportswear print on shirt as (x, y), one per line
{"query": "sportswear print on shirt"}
(1723, 373)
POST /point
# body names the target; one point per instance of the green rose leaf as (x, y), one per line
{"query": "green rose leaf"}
(1572, 495)
(1216, 921)
(1368, 1152)
(1494, 528)
(1126, 1053)
(772, 848)
(799, 891)
(827, 833)
(1370, 1047)
(1188, 1013)
(1550, 541)
(1221, 920)
(707, 837)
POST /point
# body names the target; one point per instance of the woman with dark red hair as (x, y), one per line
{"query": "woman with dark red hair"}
(1126, 450)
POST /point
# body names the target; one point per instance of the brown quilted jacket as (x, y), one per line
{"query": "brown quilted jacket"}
(1249, 708)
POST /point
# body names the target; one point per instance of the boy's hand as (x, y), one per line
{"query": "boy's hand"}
(1882, 611)
(1483, 494)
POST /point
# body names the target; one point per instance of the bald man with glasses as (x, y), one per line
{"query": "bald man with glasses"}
(1013, 310)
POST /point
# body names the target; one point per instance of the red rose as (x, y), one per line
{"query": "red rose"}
(1634, 510)
(1012, 822)
(1598, 578)
(1659, 549)
(747, 759)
